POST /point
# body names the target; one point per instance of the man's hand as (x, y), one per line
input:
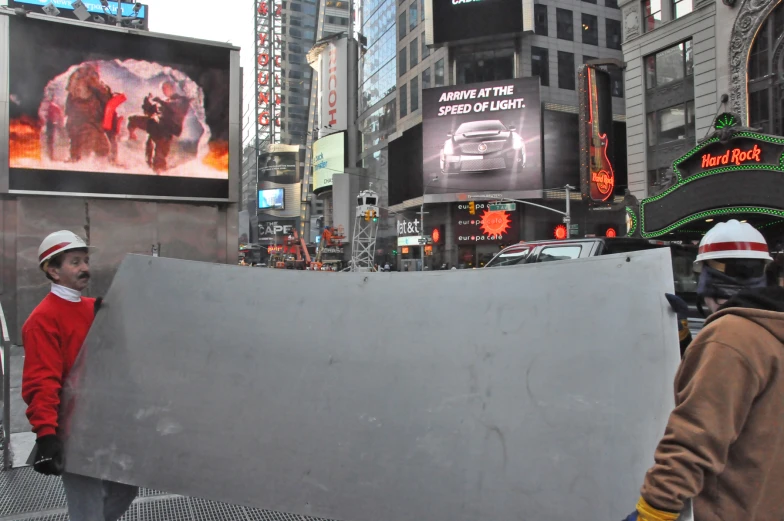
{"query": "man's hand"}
(49, 460)
(681, 309)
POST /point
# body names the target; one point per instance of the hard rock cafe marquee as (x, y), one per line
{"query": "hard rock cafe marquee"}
(735, 173)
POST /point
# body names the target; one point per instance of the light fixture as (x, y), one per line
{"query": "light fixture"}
(708, 220)
(744, 221)
(137, 7)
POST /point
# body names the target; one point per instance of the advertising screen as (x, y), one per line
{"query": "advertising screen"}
(483, 136)
(484, 226)
(333, 104)
(329, 158)
(455, 20)
(95, 11)
(271, 199)
(101, 112)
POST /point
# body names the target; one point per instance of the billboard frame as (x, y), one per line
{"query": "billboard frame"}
(235, 122)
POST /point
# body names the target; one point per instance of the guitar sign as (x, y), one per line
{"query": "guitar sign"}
(602, 175)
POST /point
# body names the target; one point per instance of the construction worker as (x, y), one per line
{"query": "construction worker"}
(724, 442)
(53, 336)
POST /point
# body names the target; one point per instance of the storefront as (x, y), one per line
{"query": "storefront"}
(735, 173)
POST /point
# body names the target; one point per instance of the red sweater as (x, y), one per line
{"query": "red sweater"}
(52, 337)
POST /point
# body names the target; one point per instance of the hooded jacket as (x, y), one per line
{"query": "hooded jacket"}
(724, 441)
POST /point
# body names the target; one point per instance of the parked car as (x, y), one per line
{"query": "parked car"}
(480, 146)
(683, 256)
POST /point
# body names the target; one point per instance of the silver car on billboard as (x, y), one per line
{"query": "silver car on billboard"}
(481, 146)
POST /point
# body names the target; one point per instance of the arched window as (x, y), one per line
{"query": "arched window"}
(766, 75)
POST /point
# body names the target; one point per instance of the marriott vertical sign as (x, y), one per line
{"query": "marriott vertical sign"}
(333, 88)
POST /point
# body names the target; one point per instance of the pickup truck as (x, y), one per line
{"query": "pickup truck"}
(683, 256)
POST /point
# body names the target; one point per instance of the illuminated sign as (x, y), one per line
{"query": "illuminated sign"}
(560, 232)
(329, 158)
(436, 235)
(408, 227)
(271, 229)
(735, 156)
(408, 241)
(268, 69)
(485, 227)
(601, 178)
(404, 250)
(610, 233)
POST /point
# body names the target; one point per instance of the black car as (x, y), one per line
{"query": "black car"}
(480, 146)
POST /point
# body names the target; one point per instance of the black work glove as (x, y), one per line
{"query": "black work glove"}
(49, 459)
(97, 305)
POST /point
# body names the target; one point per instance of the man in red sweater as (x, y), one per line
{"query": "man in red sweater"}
(53, 336)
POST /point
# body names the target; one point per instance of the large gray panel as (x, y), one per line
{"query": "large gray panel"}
(37, 218)
(116, 229)
(526, 393)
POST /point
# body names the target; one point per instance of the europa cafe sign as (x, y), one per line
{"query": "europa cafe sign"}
(738, 153)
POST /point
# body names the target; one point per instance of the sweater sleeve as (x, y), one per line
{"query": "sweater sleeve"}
(42, 379)
(714, 389)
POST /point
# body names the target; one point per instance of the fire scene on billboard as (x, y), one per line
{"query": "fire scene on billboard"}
(116, 116)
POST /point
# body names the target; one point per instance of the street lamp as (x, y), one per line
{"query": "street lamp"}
(422, 222)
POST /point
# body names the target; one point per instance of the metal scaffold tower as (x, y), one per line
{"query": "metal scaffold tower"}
(363, 244)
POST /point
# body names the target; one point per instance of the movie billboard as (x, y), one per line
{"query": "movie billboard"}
(94, 111)
(483, 136)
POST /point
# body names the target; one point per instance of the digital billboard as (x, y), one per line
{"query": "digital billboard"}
(455, 20)
(95, 12)
(484, 136)
(96, 111)
(485, 226)
(271, 199)
(329, 158)
(333, 88)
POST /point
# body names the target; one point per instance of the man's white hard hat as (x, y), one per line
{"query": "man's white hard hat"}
(732, 240)
(57, 243)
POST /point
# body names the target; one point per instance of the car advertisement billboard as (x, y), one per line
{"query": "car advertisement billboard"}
(483, 136)
(485, 226)
(329, 158)
(455, 20)
(94, 111)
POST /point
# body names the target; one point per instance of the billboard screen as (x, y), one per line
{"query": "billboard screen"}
(95, 12)
(271, 199)
(329, 158)
(455, 20)
(102, 112)
(333, 90)
(483, 136)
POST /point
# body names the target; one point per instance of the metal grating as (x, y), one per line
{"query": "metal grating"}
(55, 497)
(149, 492)
(175, 509)
(478, 165)
(255, 514)
(204, 510)
(25, 490)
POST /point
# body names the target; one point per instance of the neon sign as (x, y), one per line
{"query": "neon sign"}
(734, 156)
(560, 232)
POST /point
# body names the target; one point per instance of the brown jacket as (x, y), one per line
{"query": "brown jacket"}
(724, 442)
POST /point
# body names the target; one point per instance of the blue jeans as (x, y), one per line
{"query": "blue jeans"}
(91, 499)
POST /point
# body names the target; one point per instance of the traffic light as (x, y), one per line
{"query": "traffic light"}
(375, 216)
(394, 252)
(471, 207)
(367, 215)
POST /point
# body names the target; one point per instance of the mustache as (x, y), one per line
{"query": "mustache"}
(84, 276)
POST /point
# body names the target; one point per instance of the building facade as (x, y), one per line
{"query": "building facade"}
(689, 61)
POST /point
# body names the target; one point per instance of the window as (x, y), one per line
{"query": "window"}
(616, 81)
(586, 58)
(414, 94)
(566, 70)
(589, 1)
(426, 78)
(540, 65)
(611, 3)
(401, 26)
(669, 65)
(766, 75)
(401, 62)
(556, 253)
(479, 66)
(681, 8)
(425, 48)
(671, 124)
(590, 29)
(403, 101)
(413, 48)
(540, 19)
(564, 24)
(510, 258)
(422, 10)
(651, 14)
(440, 73)
(613, 34)
(413, 19)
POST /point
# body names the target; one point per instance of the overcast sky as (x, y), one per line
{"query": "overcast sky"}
(220, 20)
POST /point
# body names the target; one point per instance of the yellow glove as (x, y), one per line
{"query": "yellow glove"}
(646, 512)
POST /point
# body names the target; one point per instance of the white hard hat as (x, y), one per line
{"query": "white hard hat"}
(58, 242)
(732, 240)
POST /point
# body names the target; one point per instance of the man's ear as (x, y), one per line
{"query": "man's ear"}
(53, 273)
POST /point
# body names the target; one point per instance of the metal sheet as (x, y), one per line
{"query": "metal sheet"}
(527, 393)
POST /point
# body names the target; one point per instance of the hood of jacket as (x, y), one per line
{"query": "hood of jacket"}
(763, 306)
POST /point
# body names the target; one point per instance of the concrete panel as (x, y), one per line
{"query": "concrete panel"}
(189, 232)
(116, 229)
(705, 77)
(37, 217)
(489, 408)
